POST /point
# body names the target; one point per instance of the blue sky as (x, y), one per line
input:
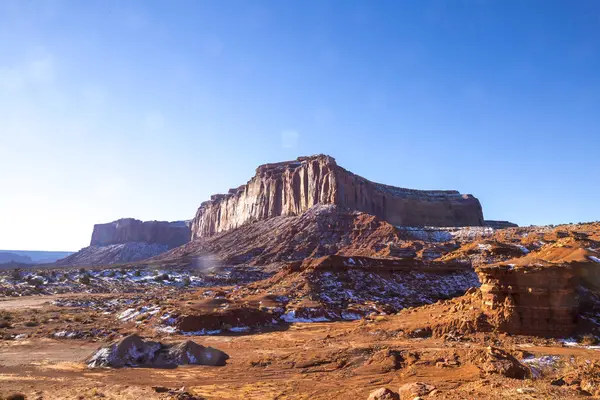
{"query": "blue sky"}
(144, 109)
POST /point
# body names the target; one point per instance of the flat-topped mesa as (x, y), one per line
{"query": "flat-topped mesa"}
(499, 224)
(292, 187)
(129, 230)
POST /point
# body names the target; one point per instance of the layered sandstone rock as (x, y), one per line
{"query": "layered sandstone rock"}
(538, 294)
(534, 300)
(129, 230)
(291, 188)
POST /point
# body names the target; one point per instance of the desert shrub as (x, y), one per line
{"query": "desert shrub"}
(589, 340)
(31, 323)
(5, 324)
(85, 279)
(16, 274)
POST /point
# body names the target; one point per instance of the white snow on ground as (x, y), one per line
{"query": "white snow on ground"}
(441, 234)
(128, 314)
(132, 313)
(166, 329)
(290, 317)
(595, 259)
(350, 316)
(239, 329)
(202, 332)
(524, 249)
(65, 335)
(539, 364)
(573, 343)
(484, 246)
(398, 290)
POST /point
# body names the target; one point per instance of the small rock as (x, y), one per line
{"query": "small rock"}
(557, 382)
(383, 394)
(526, 390)
(498, 361)
(133, 351)
(412, 390)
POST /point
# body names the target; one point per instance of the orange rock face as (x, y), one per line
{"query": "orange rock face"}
(538, 294)
(291, 188)
(538, 301)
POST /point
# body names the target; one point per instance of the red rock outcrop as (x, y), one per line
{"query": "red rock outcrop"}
(536, 300)
(538, 294)
(293, 187)
(129, 230)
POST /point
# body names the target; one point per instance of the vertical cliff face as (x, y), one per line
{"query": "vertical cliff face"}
(287, 188)
(531, 300)
(291, 188)
(129, 230)
(538, 294)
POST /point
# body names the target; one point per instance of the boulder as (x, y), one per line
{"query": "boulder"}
(417, 389)
(383, 394)
(498, 361)
(133, 351)
(190, 352)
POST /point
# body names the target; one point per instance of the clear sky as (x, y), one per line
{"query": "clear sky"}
(144, 109)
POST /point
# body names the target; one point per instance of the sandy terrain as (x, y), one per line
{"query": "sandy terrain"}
(338, 360)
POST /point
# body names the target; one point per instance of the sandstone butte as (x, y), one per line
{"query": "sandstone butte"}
(293, 187)
(129, 230)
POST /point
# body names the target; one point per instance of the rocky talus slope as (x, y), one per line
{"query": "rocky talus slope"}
(129, 240)
(293, 187)
(322, 230)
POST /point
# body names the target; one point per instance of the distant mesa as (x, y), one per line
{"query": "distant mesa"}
(31, 256)
(499, 224)
(128, 230)
(6, 257)
(129, 240)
